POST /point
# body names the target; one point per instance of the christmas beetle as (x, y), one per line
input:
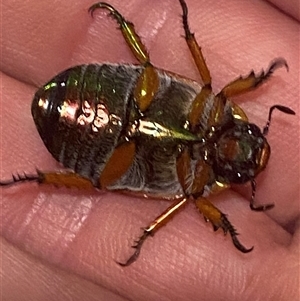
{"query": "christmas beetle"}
(142, 129)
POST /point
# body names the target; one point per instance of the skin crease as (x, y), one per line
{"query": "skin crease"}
(60, 244)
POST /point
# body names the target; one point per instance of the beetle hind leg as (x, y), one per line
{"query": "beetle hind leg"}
(128, 31)
(148, 82)
(219, 220)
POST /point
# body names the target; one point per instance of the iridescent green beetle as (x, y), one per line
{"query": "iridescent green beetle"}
(142, 129)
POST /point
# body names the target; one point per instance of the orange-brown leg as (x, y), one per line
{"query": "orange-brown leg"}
(145, 88)
(195, 48)
(192, 184)
(59, 178)
(200, 101)
(252, 81)
(209, 211)
(148, 82)
(160, 221)
(219, 220)
(118, 164)
(183, 167)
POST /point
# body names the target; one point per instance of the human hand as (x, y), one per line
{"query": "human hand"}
(59, 243)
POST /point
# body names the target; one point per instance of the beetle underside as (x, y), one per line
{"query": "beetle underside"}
(203, 150)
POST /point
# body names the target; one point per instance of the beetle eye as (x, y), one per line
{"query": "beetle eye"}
(241, 153)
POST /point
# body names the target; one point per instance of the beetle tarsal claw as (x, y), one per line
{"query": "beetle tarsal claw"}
(278, 63)
(137, 251)
(227, 227)
(215, 228)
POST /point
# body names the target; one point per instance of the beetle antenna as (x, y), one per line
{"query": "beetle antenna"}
(283, 109)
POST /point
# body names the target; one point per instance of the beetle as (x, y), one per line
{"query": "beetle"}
(142, 129)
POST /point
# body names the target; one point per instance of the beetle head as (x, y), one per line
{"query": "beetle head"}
(241, 149)
(241, 152)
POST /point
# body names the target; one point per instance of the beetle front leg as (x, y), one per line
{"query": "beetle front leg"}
(148, 82)
(252, 81)
(150, 230)
(254, 207)
(219, 220)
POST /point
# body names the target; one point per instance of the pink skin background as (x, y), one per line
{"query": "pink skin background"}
(62, 244)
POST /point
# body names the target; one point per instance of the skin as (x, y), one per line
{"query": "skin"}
(60, 244)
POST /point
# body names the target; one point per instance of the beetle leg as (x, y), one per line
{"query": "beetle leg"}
(148, 82)
(146, 87)
(184, 172)
(128, 31)
(219, 220)
(57, 178)
(21, 178)
(209, 211)
(118, 164)
(254, 207)
(160, 221)
(198, 105)
(252, 81)
(192, 182)
(195, 48)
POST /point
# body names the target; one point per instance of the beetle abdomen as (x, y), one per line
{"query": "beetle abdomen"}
(81, 112)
